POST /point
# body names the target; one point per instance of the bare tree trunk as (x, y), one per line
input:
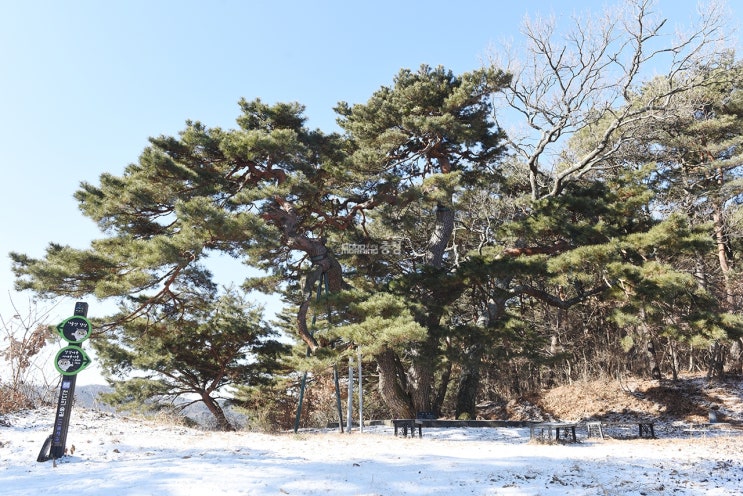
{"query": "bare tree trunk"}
(723, 258)
(325, 266)
(222, 423)
(392, 386)
(421, 375)
(674, 359)
(443, 387)
(327, 271)
(440, 237)
(652, 357)
(469, 381)
(715, 369)
(735, 357)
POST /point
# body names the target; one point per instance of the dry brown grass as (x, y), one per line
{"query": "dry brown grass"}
(689, 399)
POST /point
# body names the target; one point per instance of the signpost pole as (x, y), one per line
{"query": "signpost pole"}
(54, 446)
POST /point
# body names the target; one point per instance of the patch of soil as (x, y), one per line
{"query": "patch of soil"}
(692, 398)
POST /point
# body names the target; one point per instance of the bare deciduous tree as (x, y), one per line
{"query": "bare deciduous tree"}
(24, 335)
(586, 81)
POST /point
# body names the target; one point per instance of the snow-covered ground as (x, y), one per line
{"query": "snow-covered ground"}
(117, 455)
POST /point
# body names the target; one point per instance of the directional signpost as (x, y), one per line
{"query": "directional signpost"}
(69, 361)
(76, 329)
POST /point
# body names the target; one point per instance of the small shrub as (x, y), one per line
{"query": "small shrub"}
(23, 340)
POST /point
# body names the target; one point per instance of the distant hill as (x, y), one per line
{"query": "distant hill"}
(88, 397)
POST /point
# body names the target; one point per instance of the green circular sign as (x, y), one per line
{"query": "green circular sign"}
(70, 360)
(76, 329)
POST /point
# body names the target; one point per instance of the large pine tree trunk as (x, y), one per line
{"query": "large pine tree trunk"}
(716, 368)
(422, 371)
(440, 237)
(468, 385)
(723, 258)
(328, 272)
(469, 382)
(391, 387)
(442, 387)
(416, 391)
(421, 382)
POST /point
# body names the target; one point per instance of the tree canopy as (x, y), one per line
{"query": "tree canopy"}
(453, 251)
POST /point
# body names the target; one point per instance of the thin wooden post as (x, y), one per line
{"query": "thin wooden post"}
(361, 396)
(338, 397)
(349, 412)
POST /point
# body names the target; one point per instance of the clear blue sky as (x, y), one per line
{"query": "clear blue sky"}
(85, 83)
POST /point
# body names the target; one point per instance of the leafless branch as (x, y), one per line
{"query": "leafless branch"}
(587, 79)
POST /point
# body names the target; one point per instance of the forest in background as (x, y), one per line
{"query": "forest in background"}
(568, 211)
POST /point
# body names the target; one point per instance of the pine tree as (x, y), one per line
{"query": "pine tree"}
(165, 359)
(416, 144)
(699, 172)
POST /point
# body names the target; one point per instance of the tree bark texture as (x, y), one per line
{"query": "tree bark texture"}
(325, 268)
(422, 371)
(222, 423)
(469, 382)
(440, 237)
(653, 360)
(391, 385)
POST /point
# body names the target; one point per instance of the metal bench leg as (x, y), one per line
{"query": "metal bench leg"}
(647, 429)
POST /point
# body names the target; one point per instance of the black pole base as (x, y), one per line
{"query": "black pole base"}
(46, 451)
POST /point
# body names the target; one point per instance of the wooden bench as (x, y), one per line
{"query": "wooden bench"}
(706, 428)
(537, 430)
(423, 418)
(412, 424)
(595, 429)
(645, 429)
(406, 424)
